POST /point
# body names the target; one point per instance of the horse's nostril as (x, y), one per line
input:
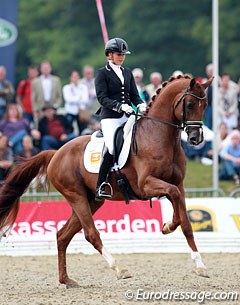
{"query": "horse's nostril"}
(193, 139)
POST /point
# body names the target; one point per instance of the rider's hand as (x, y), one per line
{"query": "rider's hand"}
(142, 108)
(126, 108)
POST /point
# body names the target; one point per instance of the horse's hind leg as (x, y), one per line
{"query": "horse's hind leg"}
(64, 236)
(84, 213)
(92, 235)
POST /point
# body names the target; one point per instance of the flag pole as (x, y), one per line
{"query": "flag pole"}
(215, 36)
(102, 20)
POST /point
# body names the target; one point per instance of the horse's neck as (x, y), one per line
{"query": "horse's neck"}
(164, 103)
(158, 134)
(163, 110)
(159, 130)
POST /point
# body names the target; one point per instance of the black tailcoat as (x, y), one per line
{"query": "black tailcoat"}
(111, 93)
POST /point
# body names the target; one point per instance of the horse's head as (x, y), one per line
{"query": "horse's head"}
(194, 103)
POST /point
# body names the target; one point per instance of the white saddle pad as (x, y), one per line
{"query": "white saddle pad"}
(94, 149)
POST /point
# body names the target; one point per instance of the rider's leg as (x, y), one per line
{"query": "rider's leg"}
(106, 165)
(109, 127)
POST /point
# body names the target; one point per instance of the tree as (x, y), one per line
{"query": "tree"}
(162, 35)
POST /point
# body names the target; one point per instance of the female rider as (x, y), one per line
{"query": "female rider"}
(116, 91)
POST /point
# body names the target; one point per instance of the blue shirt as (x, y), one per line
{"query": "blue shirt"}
(230, 150)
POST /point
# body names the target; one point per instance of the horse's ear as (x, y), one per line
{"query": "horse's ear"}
(208, 82)
(192, 83)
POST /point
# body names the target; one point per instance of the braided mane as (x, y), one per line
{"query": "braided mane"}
(164, 84)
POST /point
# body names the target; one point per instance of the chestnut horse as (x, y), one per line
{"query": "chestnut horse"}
(158, 169)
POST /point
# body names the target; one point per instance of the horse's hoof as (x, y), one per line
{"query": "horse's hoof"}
(166, 228)
(201, 272)
(123, 274)
(72, 284)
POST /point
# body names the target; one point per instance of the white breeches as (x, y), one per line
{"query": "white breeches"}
(109, 126)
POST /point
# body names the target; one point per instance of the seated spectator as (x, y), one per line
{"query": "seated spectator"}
(55, 129)
(201, 151)
(93, 125)
(223, 137)
(230, 154)
(15, 127)
(6, 158)
(28, 148)
(76, 99)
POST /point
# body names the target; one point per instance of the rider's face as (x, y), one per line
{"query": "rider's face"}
(117, 58)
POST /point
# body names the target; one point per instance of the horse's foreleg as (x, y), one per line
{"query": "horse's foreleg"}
(154, 187)
(92, 236)
(188, 232)
(122, 273)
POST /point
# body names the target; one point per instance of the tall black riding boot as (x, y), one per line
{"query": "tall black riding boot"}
(107, 163)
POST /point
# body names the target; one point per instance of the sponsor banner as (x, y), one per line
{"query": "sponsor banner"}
(46, 218)
(8, 33)
(220, 215)
(132, 228)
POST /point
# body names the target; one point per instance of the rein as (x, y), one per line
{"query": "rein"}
(159, 120)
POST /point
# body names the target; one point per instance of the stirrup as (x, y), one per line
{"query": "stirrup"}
(102, 194)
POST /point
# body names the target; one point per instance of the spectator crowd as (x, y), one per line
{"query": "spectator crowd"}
(42, 114)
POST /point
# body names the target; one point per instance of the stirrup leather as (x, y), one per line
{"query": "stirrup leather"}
(101, 193)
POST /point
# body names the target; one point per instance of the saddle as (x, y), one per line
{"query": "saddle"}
(122, 142)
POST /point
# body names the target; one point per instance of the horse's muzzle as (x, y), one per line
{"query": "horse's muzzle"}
(195, 135)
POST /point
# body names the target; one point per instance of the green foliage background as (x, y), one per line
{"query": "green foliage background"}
(163, 35)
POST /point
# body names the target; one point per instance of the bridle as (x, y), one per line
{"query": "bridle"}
(185, 124)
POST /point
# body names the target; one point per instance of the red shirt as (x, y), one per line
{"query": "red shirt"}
(24, 90)
(55, 128)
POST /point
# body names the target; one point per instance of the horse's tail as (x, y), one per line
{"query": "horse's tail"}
(16, 184)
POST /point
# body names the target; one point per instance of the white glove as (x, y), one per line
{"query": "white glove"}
(142, 108)
(126, 108)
